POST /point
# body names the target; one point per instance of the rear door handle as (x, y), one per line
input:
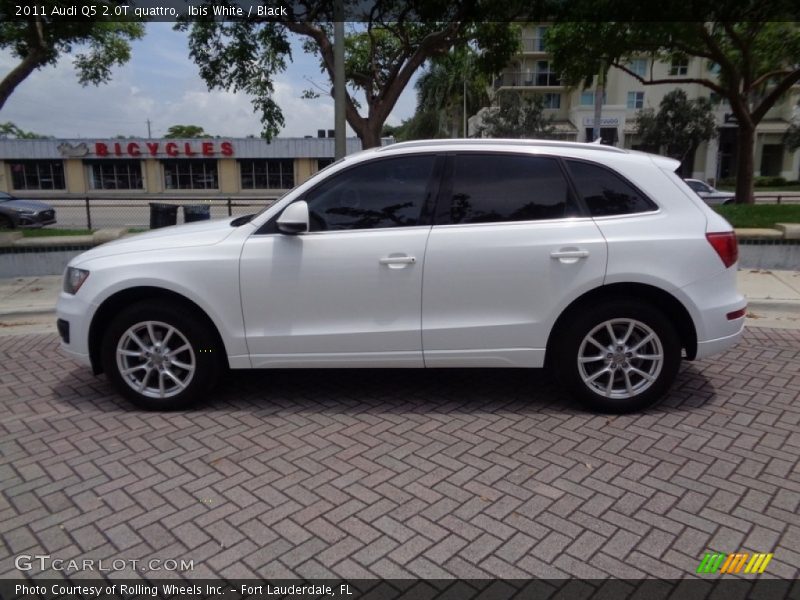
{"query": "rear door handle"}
(569, 256)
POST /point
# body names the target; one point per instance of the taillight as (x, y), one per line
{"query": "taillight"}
(726, 246)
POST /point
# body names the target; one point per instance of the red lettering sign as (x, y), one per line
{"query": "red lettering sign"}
(135, 149)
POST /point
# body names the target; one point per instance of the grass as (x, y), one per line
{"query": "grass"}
(760, 215)
(45, 232)
(788, 187)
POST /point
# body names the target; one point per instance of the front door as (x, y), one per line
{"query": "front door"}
(347, 293)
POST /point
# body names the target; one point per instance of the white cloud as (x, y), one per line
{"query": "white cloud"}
(162, 84)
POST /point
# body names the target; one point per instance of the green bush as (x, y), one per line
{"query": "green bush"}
(769, 181)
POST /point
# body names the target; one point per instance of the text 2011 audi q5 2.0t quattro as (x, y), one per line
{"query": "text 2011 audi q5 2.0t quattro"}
(595, 261)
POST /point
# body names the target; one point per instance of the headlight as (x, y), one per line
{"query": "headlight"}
(73, 279)
(27, 213)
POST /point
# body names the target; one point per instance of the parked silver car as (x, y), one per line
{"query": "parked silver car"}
(18, 212)
(711, 195)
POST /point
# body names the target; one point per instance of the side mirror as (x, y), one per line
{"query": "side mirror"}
(294, 219)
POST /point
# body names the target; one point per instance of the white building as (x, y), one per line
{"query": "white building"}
(531, 72)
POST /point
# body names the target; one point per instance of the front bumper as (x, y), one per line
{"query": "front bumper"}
(76, 315)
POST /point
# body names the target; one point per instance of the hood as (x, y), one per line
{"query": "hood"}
(33, 205)
(201, 233)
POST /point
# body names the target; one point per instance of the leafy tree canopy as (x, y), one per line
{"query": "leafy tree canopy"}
(749, 50)
(10, 130)
(40, 41)
(517, 116)
(679, 126)
(186, 131)
(394, 39)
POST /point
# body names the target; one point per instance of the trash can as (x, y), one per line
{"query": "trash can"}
(196, 212)
(162, 215)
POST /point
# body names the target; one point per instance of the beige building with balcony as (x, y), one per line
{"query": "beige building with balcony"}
(531, 72)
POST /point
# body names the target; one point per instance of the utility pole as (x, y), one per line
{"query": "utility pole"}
(148, 130)
(599, 92)
(340, 148)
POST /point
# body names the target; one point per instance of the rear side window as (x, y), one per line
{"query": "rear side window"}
(606, 193)
(491, 188)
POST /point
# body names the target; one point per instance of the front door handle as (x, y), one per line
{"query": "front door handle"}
(569, 256)
(397, 262)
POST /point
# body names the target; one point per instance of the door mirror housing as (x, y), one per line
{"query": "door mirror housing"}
(294, 219)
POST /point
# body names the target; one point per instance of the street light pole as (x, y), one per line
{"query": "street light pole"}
(340, 125)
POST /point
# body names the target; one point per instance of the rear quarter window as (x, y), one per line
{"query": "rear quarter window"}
(605, 192)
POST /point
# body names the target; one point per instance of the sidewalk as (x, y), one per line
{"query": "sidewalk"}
(771, 296)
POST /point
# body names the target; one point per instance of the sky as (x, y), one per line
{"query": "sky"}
(162, 84)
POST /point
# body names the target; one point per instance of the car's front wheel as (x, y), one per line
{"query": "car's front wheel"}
(618, 356)
(160, 357)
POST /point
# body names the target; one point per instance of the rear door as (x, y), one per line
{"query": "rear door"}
(510, 249)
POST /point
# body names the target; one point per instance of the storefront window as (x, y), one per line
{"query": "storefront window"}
(324, 162)
(190, 175)
(37, 175)
(115, 175)
(274, 174)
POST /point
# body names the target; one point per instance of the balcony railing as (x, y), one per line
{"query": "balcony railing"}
(533, 45)
(527, 79)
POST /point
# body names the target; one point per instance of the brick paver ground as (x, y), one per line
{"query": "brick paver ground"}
(482, 473)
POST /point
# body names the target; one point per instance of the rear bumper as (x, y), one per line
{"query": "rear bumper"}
(716, 346)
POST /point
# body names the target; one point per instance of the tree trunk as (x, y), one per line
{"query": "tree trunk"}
(32, 61)
(370, 135)
(745, 164)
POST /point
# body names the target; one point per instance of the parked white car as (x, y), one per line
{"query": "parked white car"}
(595, 261)
(710, 194)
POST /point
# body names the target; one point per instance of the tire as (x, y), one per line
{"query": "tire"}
(635, 382)
(159, 376)
(6, 222)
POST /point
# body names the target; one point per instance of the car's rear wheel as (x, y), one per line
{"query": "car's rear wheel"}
(160, 357)
(618, 356)
(6, 222)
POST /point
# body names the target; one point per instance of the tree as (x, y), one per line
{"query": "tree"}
(679, 127)
(749, 51)
(440, 96)
(38, 41)
(383, 51)
(517, 116)
(186, 131)
(10, 130)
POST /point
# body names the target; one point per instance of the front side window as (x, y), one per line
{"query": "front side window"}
(191, 175)
(491, 188)
(606, 193)
(115, 175)
(377, 194)
(37, 175)
(273, 174)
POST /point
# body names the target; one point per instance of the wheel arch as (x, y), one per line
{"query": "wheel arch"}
(123, 298)
(672, 307)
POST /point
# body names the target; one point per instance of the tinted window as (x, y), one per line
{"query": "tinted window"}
(605, 192)
(381, 193)
(490, 188)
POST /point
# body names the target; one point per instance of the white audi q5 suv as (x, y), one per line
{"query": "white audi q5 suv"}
(597, 262)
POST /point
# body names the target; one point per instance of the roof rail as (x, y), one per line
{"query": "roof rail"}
(528, 143)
